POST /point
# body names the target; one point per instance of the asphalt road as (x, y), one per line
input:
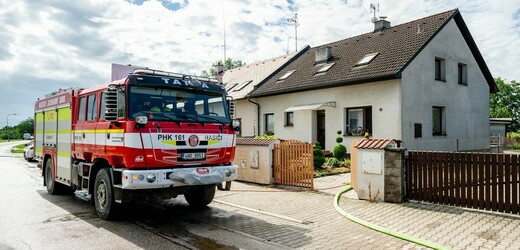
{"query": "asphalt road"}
(30, 218)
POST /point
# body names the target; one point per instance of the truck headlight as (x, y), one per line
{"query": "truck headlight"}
(151, 178)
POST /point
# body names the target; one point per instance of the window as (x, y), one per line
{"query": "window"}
(91, 108)
(438, 121)
(325, 68)
(417, 130)
(289, 119)
(367, 59)
(269, 124)
(359, 121)
(239, 132)
(463, 74)
(103, 107)
(231, 86)
(81, 112)
(242, 85)
(287, 74)
(440, 71)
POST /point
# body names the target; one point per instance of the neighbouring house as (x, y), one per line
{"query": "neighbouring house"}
(498, 126)
(239, 82)
(423, 82)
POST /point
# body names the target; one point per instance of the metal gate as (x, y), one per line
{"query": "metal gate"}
(293, 164)
(483, 181)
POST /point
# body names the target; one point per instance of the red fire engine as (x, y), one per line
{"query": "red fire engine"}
(153, 134)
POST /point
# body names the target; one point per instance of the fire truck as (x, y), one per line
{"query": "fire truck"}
(151, 135)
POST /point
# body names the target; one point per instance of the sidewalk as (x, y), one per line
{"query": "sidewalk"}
(311, 222)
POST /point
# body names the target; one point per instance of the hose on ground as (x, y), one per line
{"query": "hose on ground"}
(381, 229)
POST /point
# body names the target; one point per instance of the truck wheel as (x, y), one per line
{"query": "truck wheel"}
(103, 195)
(54, 187)
(200, 196)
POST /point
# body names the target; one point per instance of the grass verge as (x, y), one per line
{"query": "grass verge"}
(18, 148)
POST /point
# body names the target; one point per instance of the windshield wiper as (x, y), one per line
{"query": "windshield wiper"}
(214, 119)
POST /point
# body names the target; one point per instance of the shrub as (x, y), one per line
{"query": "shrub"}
(339, 151)
(333, 162)
(347, 162)
(339, 139)
(266, 136)
(319, 159)
(516, 146)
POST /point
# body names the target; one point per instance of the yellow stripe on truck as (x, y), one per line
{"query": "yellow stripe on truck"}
(39, 117)
(64, 114)
(99, 131)
(64, 154)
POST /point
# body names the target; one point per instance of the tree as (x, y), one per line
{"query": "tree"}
(25, 126)
(230, 64)
(506, 102)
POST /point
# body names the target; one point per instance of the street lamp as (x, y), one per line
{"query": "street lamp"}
(294, 20)
(8, 139)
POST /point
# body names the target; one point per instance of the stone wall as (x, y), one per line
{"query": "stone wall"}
(394, 175)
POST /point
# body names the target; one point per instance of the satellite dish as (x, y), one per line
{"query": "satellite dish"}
(374, 19)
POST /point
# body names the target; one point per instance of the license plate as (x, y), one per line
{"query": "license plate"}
(193, 156)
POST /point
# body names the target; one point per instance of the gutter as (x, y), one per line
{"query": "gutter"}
(257, 115)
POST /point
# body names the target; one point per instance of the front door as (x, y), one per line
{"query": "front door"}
(321, 127)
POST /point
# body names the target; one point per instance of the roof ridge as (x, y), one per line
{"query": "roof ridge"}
(392, 27)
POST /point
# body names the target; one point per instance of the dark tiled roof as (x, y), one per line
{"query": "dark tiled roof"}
(255, 142)
(397, 46)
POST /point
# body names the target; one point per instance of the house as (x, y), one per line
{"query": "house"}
(239, 83)
(423, 82)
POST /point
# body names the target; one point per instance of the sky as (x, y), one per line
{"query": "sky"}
(46, 45)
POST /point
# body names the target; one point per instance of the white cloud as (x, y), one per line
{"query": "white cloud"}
(52, 44)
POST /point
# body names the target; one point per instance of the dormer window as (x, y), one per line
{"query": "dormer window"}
(325, 68)
(231, 86)
(242, 85)
(287, 74)
(367, 59)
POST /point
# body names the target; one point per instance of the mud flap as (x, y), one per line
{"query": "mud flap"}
(227, 188)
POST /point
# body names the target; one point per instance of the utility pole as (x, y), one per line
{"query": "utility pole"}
(294, 20)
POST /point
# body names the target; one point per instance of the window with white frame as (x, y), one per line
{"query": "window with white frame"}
(358, 120)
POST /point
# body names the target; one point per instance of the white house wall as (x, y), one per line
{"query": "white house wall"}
(247, 113)
(466, 107)
(384, 97)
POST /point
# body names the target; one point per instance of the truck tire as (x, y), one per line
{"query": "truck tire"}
(106, 207)
(53, 187)
(200, 196)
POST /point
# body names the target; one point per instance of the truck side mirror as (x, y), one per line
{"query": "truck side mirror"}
(111, 104)
(231, 103)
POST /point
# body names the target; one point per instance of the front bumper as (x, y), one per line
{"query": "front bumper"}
(177, 177)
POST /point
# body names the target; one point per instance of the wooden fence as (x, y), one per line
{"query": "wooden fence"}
(293, 164)
(475, 180)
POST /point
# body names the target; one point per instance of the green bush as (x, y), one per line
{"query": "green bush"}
(333, 162)
(319, 159)
(516, 146)
(347, 162)
(266, 136)
(339, 152)
(339, 139)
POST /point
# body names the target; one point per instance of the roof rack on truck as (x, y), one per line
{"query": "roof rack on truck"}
(147, 71)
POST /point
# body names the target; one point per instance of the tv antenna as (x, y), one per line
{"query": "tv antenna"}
(224, 25)
(294, 20)
(374, 8)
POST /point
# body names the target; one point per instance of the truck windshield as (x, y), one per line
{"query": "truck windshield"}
(163, 104)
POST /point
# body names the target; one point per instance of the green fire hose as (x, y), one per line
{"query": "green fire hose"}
(381, 229)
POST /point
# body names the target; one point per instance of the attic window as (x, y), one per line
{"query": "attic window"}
(367, 59)
(287, 74)
(242, 85)
(324, 68)
(231, 86)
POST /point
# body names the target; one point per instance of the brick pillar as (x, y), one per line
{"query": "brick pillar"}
(394, 175)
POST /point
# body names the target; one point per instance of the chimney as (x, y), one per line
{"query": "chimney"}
(381, 24)
(323, 54)
(219, 68)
